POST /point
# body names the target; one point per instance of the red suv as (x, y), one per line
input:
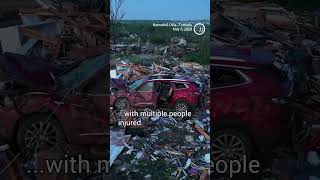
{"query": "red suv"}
(178, 94)
(245, 114)
(48, 108)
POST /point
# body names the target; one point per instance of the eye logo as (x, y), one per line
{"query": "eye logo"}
(199, 29)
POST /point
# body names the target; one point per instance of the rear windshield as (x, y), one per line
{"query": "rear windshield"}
(223, 76)
(136, 84)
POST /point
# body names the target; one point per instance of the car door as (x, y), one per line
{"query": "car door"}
(145, 95)
(228, 92)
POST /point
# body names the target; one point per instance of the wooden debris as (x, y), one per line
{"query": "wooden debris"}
(201, 131)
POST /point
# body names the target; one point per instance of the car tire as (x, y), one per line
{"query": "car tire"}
(181, 106)
(36, 132)
(221, 144)
(234, 137)
(121, 103)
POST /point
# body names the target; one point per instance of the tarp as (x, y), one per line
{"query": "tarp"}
(117, 143)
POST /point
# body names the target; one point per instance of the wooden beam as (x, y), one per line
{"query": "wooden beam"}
(38, 35)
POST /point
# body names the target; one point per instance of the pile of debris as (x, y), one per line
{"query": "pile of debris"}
(130, 72)
(259, 24)
(162, 147)
(180, 148)
(290, 37)
(177, 47)
(166, 147)
(60, 36)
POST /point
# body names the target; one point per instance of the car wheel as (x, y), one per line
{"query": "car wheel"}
(181, 106)
(230, 144)
(121, 103)
(37, 132)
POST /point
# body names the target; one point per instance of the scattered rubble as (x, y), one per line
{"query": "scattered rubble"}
(180, 147)
(62, 37)
(177, 146)
(133, 45)
(247, 23)
(260, 29)
(163, 147)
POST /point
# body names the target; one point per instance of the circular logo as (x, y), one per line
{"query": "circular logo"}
(199, 29)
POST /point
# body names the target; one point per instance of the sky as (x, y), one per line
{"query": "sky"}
(166, 9)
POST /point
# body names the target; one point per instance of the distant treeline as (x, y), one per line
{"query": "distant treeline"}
(157, 35)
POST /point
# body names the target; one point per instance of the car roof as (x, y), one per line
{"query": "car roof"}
(240, 57)
(169, 80)
(163, 74)
(167, 76)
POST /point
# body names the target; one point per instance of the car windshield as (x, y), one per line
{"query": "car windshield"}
(136, 84)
